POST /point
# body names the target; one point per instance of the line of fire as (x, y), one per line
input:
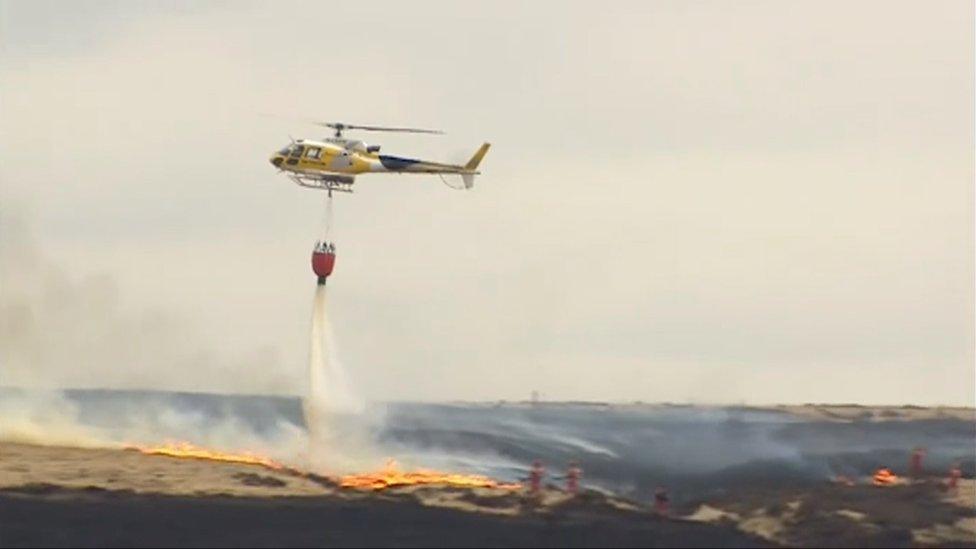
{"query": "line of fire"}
(538, 483)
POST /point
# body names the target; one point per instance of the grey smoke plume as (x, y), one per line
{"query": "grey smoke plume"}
(58, 332)
(61, 331)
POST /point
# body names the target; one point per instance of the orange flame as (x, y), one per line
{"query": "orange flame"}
(391, 477)
(884, 477)
(186, 450)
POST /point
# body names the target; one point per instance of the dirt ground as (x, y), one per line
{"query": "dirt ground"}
(54, 496)
(59, 496)
(922, 513)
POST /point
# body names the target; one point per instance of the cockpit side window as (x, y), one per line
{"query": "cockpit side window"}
(296, 151)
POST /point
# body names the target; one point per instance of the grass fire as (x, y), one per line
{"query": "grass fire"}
(186, 450)
(392, 476)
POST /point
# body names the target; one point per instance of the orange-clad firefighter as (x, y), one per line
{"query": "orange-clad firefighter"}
(662, 502)
(573, 475)
(955, 473)
(535, 478)
(915, 466)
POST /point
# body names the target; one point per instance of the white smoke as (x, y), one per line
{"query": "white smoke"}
(65, 325)
(44, 417)
(51, 418)
(57, 332)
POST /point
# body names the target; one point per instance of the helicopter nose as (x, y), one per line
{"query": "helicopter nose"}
(276, 161)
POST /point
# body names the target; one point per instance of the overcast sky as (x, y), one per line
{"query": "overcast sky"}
(685, 201)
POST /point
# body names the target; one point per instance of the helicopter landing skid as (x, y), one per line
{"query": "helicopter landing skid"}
(322, 184)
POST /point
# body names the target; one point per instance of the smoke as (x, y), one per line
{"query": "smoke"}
(61, 330)
(118, 419)
(65, 324)
(44, 417)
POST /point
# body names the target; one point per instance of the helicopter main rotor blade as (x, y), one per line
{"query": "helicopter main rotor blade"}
(386, 129)
(340, 127)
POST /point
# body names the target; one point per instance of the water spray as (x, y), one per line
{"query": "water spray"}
(329, 394)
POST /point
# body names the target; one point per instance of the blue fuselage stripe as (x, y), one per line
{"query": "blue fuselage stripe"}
(396, 162)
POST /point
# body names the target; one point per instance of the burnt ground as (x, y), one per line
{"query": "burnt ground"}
(835, 515)
(747, 481)
(49, 516)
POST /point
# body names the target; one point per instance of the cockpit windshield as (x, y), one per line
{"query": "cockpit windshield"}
(293, 150)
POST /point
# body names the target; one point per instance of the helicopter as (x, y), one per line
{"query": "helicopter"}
(333, 163)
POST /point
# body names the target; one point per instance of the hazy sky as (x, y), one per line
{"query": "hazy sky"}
(685, 201)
